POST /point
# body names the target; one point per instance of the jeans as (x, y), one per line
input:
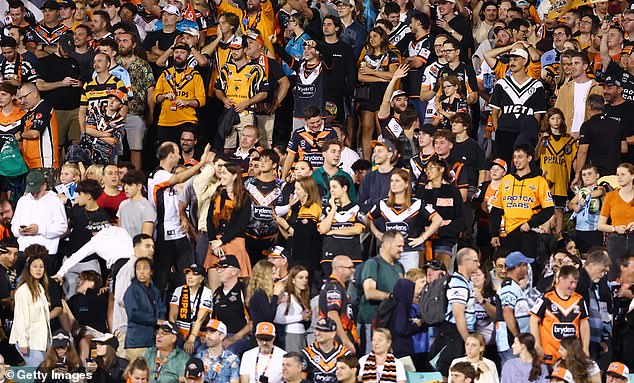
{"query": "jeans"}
(34, 357)
(409, 260)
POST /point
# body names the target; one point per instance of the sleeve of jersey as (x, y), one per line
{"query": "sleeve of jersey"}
(461, 178)
(334, 299)
(427, 212)
(546, 198)
(540, 306)
(472, 81)
(199, 90)
(496, 200)
(542, 103)
(225, 6)
(262, 84)
(221, 81)
(83, 101)
(161, 86)
(370, 271)
(293, 143)
(507, 298)
(375, 212)
(175, 295)
(607, 205)
(458, 294)
(30, 74)
(499, 69)
(125, 89)
(496, 97)
(535, 69)
(584, 309)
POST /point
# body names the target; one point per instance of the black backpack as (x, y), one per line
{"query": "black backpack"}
(383, 316)
(432, 306)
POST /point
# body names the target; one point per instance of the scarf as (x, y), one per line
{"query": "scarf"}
(371, 374)
(185, 313)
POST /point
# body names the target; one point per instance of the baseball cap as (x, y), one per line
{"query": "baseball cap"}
(194, 269)
(119, 95)
(194, 368)
(168, 327)
(265, 329)
(501, 163)
(229, 261)
(346, 2)
(107, 339)
(519, 52)
(254, 35)
(171, 9)
(237, 42)
(627, 50)
(326, 324)
(619, 370)
(396, 93)
(434, 265)
(448, 1)
(68, 4)
(60, 339)
(97, 225)
(275, 251)
(499, 28)
(515, 258)
(612, 81)
(522, 3)
(386, 143)
(561, 373)
(67, 42)
(191, 31)
(34, 181)
(215, 324)
(184, 47)
(50, 4)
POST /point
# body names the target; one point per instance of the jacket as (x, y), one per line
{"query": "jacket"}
(401, 326)
(144, 308)
(172, 369)
(566, 99)
(31, 320)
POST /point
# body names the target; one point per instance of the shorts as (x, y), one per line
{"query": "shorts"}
(67, 126)
(135, 131)
(560, 201)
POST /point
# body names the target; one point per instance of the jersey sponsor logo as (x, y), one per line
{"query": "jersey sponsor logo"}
(518, 201)
(564, 330)
(305, 90)
(263, 212)
(517, 110)
(402, 227)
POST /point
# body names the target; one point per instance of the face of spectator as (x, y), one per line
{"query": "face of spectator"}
(473, 348)
(344, 372)
(394, 18)
(83, 285)
(213, 338)
(26, 98)
(126, 46)
(328, 28)
(80, 37)
(248, 138)
(265, 164)
(445, 8)
(188, 142)
(302, 169)
(570, 19)
(138, 376)
(169, 19)
(265, 343)
(143, 272)
(375, 40)
(559, 38)
(589, 177)
(80, 13)
(193, 279)
(111, 176)
(471, 262)
(82, 198)
(380, 343)
(51, 16)
(180, 57)
(344, 9)
(451, 54)
(336, 190)
(324, 337)
(611, 378)
(112, 11)
(332, 156)
(145, 249)
(101, 63)
(253, 48)
(291, 370)
(301, 280)
(432, 274)
(165, 340)
(126, 15)
(521, 160)
(442, 146)
(627, 272)
(131, 190)
(314, 123)
(611, 93)
(490, 13)
(585, 24)
(503, 15)
(99, 25)
(478, 278)
(108, 51)
(359, 175)
(399, 104)
(397, 184)
(438, 46)
(566, 63)
(570, 46)
(8, 259)
(516, 347)
(394, 248)
(17, 16)
(567, 285)
(500, 268)
(459, 377)
(37, 269)
(615, 38)
(624, 177)
(381, 154)
(66, 13)
(497, 172)
(5, 98)
(601, 7)
(227, 274)
(502, 38)
(224, 26)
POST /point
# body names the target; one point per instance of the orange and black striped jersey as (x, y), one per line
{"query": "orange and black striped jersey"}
(560, 318)
(43, 35)
(12, 123)
(305, 144)
(321, 366)
(334, 297)
(41, 152)
(95, 96)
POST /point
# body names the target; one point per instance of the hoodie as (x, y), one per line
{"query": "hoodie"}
(401, 326)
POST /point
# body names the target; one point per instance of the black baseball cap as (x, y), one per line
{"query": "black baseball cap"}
(168, 327)
(50, 4)
(435, 265)
(229, 261)
(68, 4)
(194, 368)
(194, 269)
(107, 339)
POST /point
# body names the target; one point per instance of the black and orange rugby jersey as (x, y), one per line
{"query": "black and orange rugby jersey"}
(43, 35)
(304, 144)
(94, 96)
(41, 152)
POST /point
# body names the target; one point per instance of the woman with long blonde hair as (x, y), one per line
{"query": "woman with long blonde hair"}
(295, 311)
(262, 293)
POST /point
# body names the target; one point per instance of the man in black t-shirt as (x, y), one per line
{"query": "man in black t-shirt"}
(8, 284)
(620, 110)
(456, 67)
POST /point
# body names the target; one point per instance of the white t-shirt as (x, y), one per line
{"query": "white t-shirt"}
(158, 187)
(581, 95)
(269, 365)
(400, 369)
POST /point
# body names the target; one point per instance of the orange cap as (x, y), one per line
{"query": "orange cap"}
(561, 373)
(618, 369)
(265, 328)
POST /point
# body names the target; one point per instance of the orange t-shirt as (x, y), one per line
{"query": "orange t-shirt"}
(619, 212)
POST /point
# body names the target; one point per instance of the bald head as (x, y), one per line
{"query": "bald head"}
(341, 260)
(342, 268)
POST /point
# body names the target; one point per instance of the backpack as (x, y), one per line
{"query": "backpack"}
(433, 301)
(355, 288)
(383, 315)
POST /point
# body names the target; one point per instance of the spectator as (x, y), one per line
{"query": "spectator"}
(376, 183)
(347, 369)
(262, 295)
(485, 368)
(8, 285)
(404, 324)
(31, 331)
(221, 365)
(485, 307)
(321, 357)
(617, 373)
(143, 311)
(137, 370)
(135, 214)
(527, 367)
(15, 69)
(586, 206)
(463, 372)
(102, 139)
(109, 367)
(253, 368)
(563, 298)
(61, 357)
(331, 151)
(170, 360)
(380, 364)
(294, 310)
(575, 360)
(83, 53)
(46, 34)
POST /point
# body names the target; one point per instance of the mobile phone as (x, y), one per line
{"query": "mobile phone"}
(22, 226)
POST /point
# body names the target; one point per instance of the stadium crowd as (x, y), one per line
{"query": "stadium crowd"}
(317, 191)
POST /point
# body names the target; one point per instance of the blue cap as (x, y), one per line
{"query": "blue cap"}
(515, 258)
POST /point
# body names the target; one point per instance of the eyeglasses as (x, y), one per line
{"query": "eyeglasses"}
(445, 51)
(25, 96)
(559, 34)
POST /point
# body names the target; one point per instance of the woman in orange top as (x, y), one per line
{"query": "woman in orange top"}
(11, 127)
(618, 208)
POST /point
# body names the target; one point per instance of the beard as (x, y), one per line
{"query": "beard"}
(126, 52)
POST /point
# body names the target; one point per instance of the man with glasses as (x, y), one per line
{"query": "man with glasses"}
(335, 304)
(561, 33)
(166, 360)
(321, 356)
(221, 365)
(430, 76)
(190, 155)
(455, 67)
(460, 318)
(263, 364)
(514, 313)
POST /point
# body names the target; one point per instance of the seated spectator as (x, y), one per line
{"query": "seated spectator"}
(617, 373)
(486, 371)
(137, 371)
(292, 368)
(321, 356)
(463, 372)
(112, 196)
(527, 366)
(575, 360)
(264, 362)
(109, 368)
(380, 364)
(347, 369)
(61, 357)
(170, 360)
(221, 365)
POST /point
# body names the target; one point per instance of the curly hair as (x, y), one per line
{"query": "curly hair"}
(261, 279)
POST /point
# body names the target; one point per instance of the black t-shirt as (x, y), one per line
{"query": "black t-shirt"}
(90, 309)
(614, 70)
(343, 75)
(471, 155)
(80, 217)
(54, 68)
(466, 75)
(230, 308)
(623, 114)
(274, 74)
(604, 136)
(85, 61)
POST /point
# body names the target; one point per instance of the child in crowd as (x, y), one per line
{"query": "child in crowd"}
(450, 102)
(69, 175)
(586, 205)
(102, 138)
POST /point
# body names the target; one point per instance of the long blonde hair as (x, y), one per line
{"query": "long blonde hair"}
(261, 279)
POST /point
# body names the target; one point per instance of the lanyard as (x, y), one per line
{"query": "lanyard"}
(257, 359)
(218, 367)
(171, 79)
(159, 364)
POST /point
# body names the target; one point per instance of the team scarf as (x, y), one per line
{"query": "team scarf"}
(371, 374)
(185, 313)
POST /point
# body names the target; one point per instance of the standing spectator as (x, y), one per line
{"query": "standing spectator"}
(460, 318)
(221, 365)
(405, 326)
(83, 53)
(135, 214)
(100, 27)
(527, 366)
(353, 33)
(104, 138)
(143, 308)
(321, 357)
(112, 196)
(331, 151)
(379, 275)
(39, 217)
(586, 205)
(380, 365)
(452, 23)
(263, 362)
(160, 40)
(8, 285)
(173, 246)
(31, 331)
(47, 33)
(548, 314)
(39, 146)
(143, 89)
(180, 91)
(170, 359)
(14, 68)
(573, 96)
(376, 183)
(258, 14)
(618, 109)
(514, 312)
(621, 216)
(262, 293)
(294, 311)
(392, 106)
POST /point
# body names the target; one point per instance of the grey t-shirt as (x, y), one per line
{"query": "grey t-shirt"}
(132, 215)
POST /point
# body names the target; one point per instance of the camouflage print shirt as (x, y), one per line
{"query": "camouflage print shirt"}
(142, 78)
